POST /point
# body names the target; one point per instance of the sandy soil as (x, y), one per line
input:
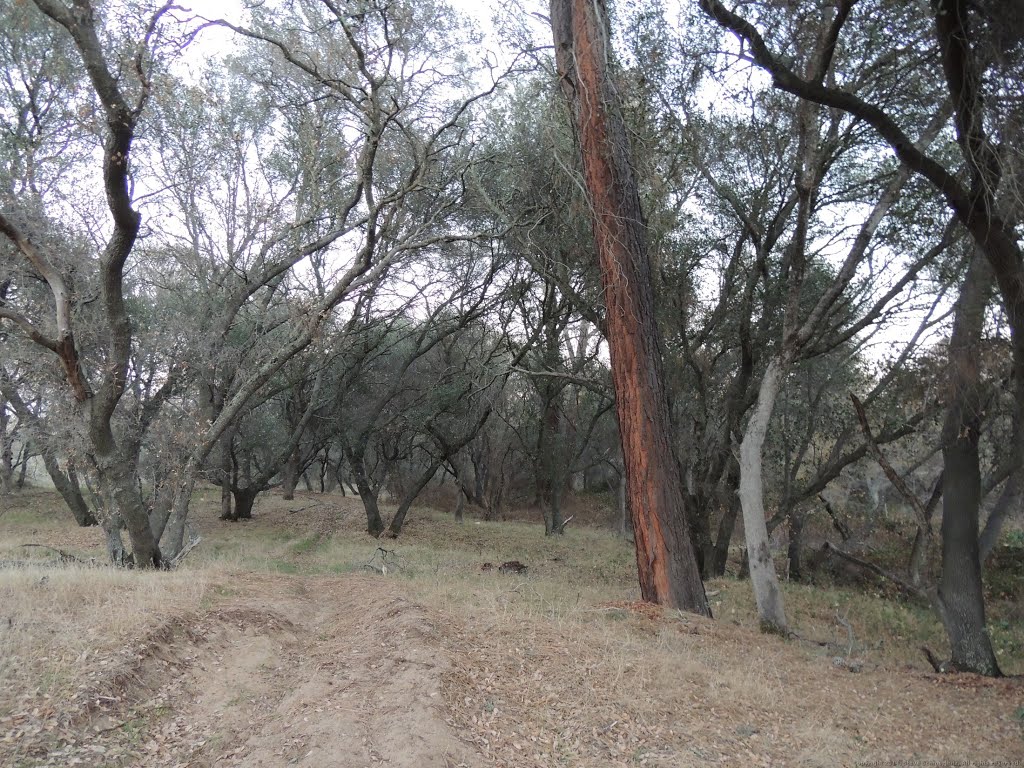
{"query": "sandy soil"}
(291, 671)
(349, 671)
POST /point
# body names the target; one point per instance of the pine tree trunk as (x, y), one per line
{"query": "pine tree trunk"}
(665, 559)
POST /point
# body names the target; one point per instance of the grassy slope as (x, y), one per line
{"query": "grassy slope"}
(555, 667)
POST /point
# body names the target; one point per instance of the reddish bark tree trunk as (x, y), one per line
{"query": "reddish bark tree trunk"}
(665, 558)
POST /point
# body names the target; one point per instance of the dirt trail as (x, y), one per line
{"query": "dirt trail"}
(299, 671)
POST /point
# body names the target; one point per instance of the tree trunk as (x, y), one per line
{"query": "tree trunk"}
(69, 490)
(410, 496)
(922, 537)
(1010, 497)
(550, 461)
(6, 452)
(26, 454)
(796, 536)
(1008, 500)
(171, 531)
(226, 509)
(245, 498)
(460, 506)
(112, 526)
(290, 477)
(554, 520)
(700, 532)
(960, 597)
(480, 484)
(762, 568)
(374, 523)
(665, 559)
(119, 485)
(720, 551)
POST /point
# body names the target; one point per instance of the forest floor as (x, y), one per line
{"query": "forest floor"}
(275, 645)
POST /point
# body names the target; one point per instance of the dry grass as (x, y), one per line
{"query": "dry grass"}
(73, 640)
(557, 667)
(56, 619)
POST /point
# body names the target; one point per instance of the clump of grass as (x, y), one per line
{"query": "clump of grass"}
(57, 623)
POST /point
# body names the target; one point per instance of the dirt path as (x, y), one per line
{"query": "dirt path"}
(292, 671)
(270, 670)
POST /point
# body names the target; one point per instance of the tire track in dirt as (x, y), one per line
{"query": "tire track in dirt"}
(312, 672)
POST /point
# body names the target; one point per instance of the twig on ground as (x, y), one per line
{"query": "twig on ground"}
(64, 556)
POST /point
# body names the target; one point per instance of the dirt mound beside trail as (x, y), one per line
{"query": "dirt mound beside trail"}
(287, 672)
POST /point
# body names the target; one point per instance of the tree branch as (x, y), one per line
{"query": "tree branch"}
(894, 477)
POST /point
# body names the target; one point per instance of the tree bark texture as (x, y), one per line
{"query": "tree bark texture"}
(245, 498)
(960, 596)
(665, 558)
(6, 452)
(290, 476)
(226, 476)
(395, 527)
(551, 459)
(720, 554)
(69, 490)
(762, 568)
(367, 494)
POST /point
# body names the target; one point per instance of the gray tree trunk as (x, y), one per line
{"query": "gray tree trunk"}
(290, 476)
(1008, 500)
(6, 452)
(115, 546)
(960, 597)
(460, 506)
(69, 490)
(763, 578)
